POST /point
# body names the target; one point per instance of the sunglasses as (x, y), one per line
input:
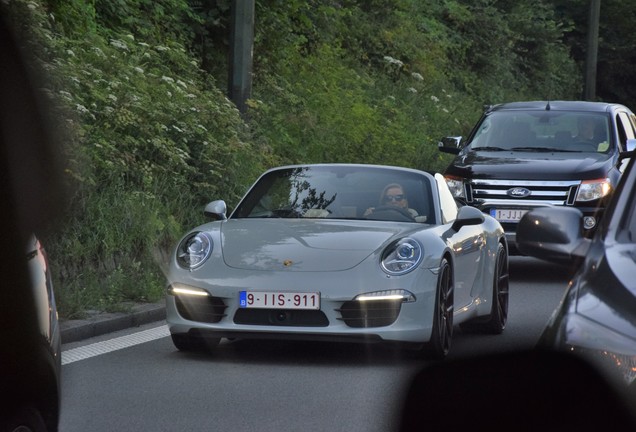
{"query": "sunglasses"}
(388, 198)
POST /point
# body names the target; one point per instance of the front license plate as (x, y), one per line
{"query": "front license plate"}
(279, 300)
(508, 215)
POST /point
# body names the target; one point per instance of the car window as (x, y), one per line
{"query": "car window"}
(630, 228)
(626, 230)
(625, 128)
(543, 130)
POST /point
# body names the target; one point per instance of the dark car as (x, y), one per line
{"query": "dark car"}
(597, 317)
(524, 155)
(30, 348)
(31, 196)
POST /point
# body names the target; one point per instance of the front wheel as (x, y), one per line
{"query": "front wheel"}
(495, 323)
(442, 333)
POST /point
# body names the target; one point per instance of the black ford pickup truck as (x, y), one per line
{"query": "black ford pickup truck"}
(523, 155)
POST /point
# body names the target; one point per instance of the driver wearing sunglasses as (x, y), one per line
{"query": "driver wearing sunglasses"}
(393, 195)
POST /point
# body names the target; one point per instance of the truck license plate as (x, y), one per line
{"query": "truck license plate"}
(508, 215)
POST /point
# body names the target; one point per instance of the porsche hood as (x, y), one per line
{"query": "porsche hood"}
(303, 245)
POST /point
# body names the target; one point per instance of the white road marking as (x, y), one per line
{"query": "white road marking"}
(99, 348)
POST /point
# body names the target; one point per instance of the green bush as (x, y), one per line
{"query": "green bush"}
(151, 137)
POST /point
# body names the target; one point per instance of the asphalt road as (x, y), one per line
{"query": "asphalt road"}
(135, 380)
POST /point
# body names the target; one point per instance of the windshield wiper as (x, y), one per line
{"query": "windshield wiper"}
(485, 148)
(541, 149)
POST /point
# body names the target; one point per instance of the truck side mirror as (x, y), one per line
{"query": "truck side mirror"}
(450, 144)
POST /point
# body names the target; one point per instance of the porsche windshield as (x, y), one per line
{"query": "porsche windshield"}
(342, 192)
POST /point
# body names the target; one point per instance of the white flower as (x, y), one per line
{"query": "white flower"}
(391, 60)
(177, 129)
(411, 90)
(144, 44)
(417, 76)
(435, 99)
(119, 44)
(162, 48)
(138, 69)
(112, 97)
(191, 96)
(445, 110)
(182, 84)
(81, 109)
(131, 37)
(66, 95)
(99, 52)
(70, 52)
(167, 79)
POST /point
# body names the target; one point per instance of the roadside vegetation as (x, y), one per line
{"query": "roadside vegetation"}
(138, 90)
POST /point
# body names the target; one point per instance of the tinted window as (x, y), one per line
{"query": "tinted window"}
(544, 130)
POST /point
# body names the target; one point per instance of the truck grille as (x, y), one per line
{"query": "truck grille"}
(498, 193)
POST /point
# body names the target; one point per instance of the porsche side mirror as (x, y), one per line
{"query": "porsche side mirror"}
(216, 210)
(553, 234)
(468, 215)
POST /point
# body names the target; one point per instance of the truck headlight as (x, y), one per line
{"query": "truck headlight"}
(591, 190)
(456, 186)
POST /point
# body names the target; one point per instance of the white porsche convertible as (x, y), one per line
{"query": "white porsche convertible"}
(340, 252)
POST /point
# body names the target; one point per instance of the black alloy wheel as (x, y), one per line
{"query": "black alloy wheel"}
(495, 322)
(501, 290)
(442, 332)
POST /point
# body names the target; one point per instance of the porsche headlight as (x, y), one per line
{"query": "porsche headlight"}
(400, 295)
(591, 190)
(194, 250)
(401, 257)
(185, 290)
(456, 186)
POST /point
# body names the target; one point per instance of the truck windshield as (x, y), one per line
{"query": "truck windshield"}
(542, 131)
